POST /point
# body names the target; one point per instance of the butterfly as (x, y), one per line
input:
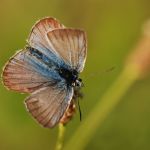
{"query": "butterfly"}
(48, 69)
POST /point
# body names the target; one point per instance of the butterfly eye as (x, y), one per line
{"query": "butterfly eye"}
(78, 83)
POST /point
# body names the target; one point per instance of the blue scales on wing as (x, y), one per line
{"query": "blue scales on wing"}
(28, 71)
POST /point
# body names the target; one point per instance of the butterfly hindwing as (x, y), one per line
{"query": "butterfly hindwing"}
(48, 104)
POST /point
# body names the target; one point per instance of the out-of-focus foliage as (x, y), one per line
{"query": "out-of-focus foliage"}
(113, 28)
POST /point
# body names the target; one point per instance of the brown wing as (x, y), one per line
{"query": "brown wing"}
(70, 45)
(48, 35)
(47, 105)
(37, 38)
(20, 74)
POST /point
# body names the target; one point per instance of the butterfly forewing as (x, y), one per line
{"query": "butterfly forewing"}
(52, 38)
(37, 38)
(48, 104)
(70, 45)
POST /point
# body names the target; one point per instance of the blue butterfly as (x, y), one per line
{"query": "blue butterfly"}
(48, 69)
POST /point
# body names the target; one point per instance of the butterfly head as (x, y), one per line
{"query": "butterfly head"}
(79, 83)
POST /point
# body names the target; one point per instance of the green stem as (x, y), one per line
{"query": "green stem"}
(110, 99)
(60, 140)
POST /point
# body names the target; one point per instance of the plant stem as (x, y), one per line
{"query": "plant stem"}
(60, 139)
(107, 103)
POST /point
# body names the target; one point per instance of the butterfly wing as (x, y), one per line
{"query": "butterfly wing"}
(48, 104)
(70, 45)
(29, 70)
(37, 38)
(52, 38)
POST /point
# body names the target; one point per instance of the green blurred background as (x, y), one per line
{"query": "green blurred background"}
(113, 28)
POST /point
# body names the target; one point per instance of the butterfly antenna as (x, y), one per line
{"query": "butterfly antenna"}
(100, 73)
(110, 69)
(80, 113)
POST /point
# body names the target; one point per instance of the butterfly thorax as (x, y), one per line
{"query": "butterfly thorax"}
(71, 77)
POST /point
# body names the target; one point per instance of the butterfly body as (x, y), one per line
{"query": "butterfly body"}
(48, 69)
(70, 76)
